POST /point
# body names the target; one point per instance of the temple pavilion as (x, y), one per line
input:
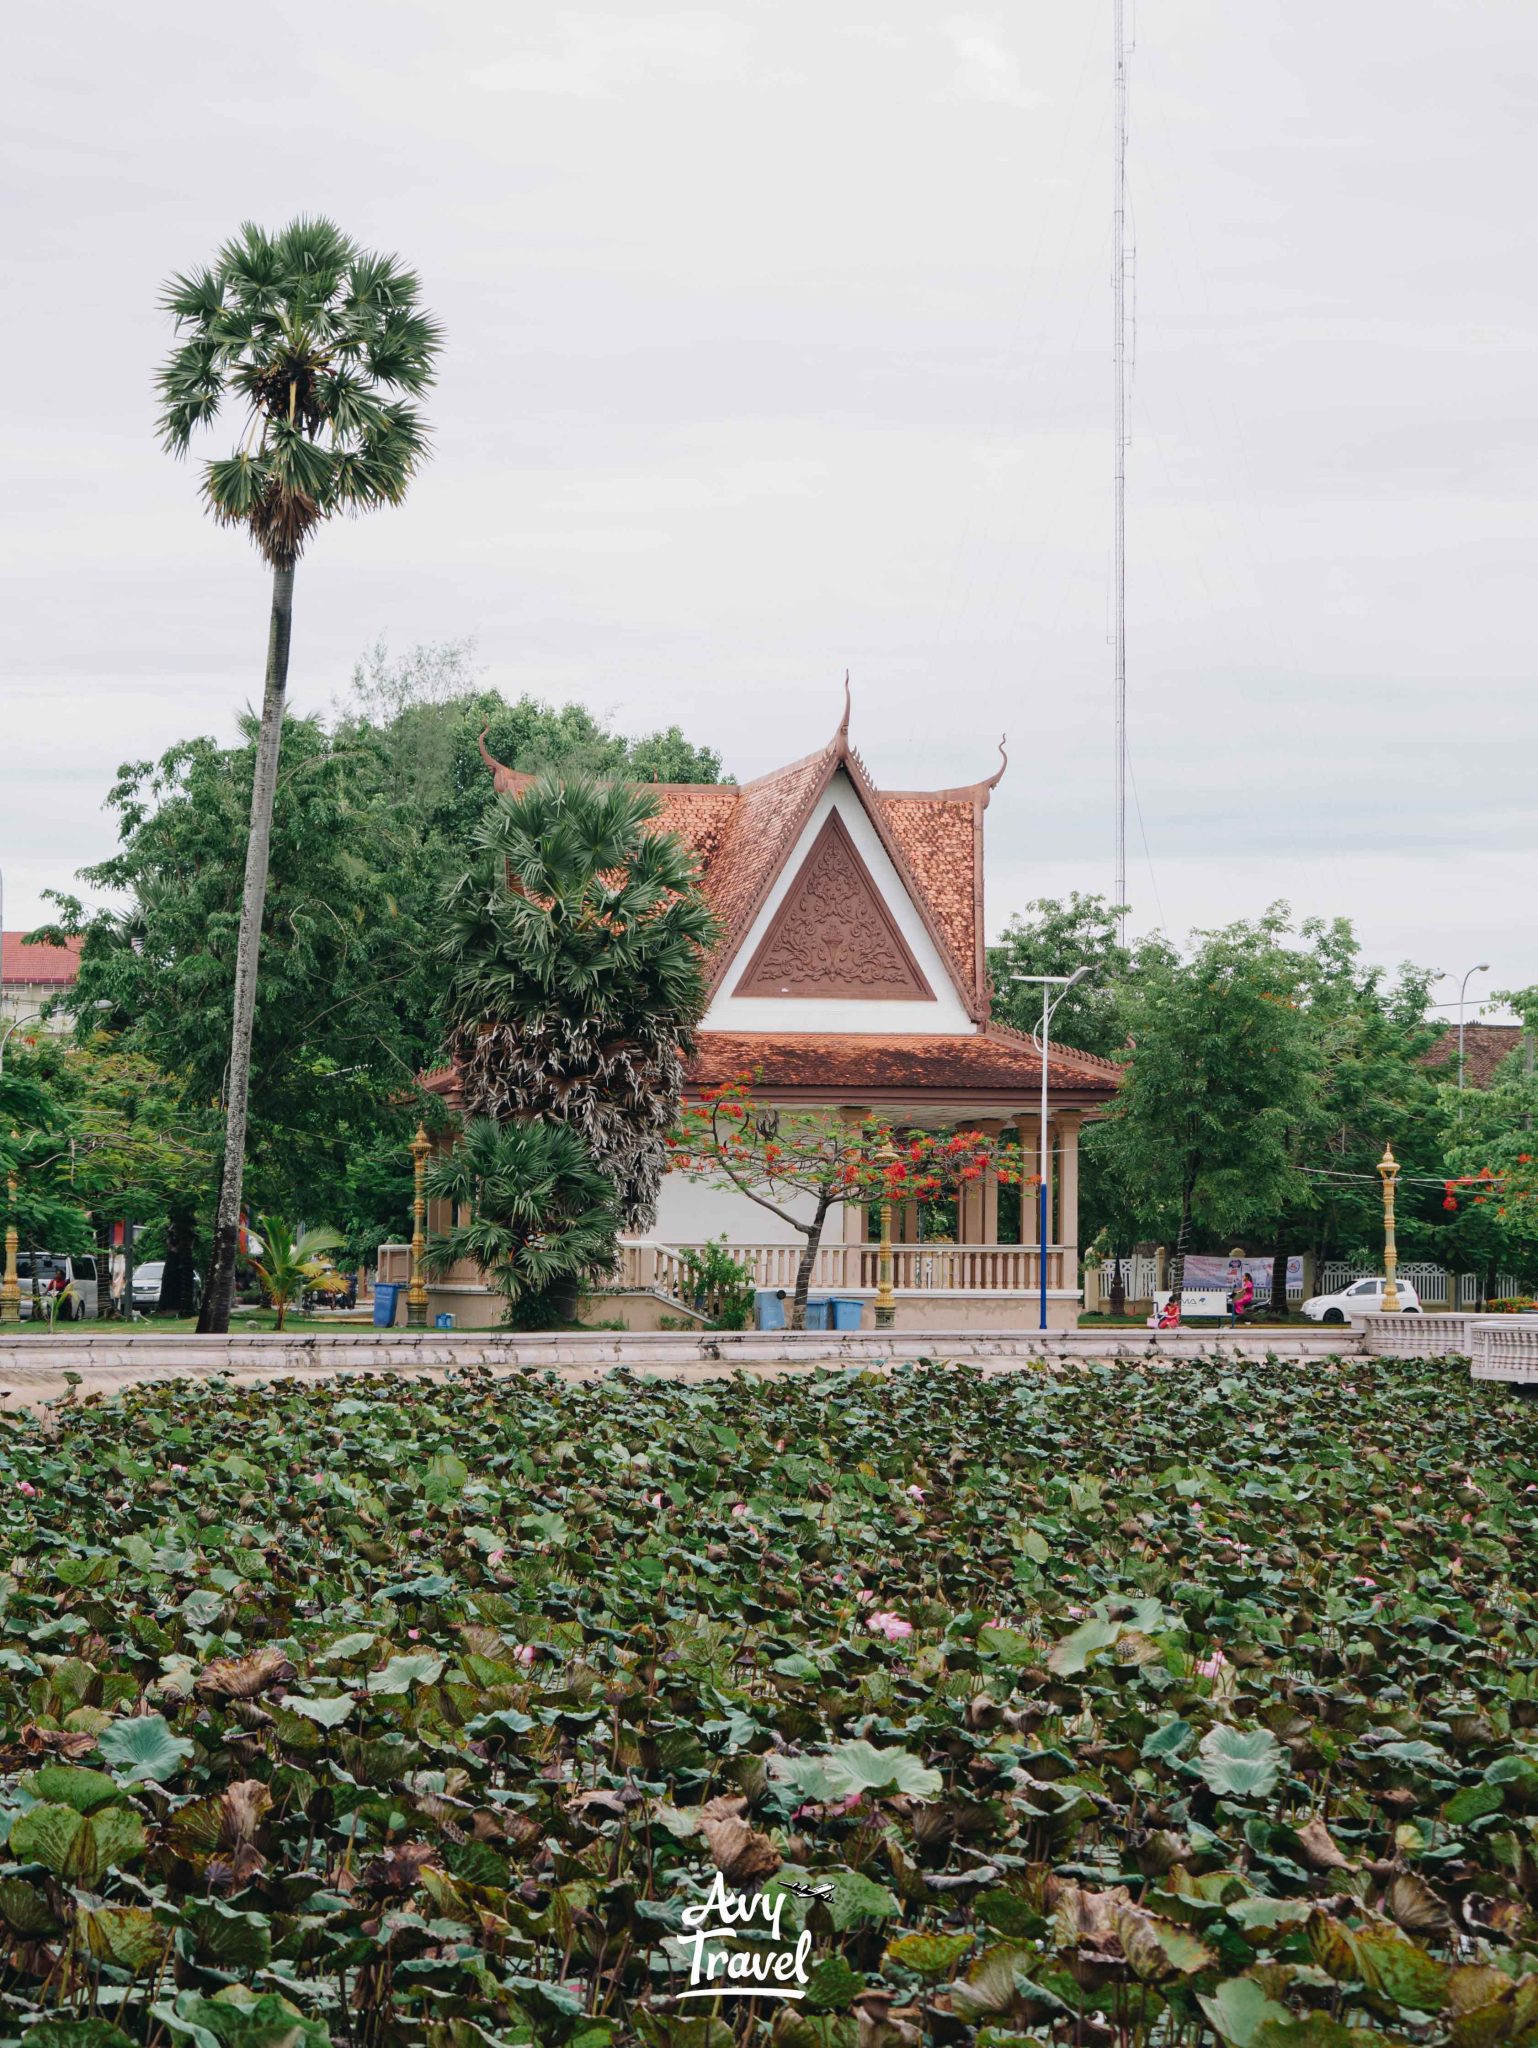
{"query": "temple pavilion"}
(851, 975)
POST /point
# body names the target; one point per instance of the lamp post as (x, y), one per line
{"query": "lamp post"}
(1388, 1166)
(1463, 986)
(1062, 983)
(886, 1300)
(10, 1286)
(416, 1293)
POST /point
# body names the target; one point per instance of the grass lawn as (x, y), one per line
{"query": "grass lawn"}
(143, 1326)
(1180, 1704)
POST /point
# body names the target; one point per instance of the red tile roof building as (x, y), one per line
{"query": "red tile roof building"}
(33, 976)
(851, 974)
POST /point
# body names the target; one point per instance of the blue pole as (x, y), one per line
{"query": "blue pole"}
(1041, 1239)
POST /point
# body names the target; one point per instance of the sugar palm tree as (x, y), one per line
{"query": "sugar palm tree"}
(290, 1261)
(576, 946)
(321, 346)
(541, 1217)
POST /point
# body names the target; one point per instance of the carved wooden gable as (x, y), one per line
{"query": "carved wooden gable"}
(833, 935)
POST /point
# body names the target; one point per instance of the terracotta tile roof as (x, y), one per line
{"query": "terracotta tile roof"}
(1485, 1047)
(992, 1061)
(744, 833)
(55, 966)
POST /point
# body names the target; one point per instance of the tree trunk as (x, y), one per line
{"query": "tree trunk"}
(1279, 1272)
(804, 1268)
(219, 1293)
(176, 1281)
(1118, 1284)
(1177, 1275)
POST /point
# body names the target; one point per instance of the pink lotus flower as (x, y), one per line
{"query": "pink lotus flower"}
(1360, 1580)
(1213, 1666)
(28, 1489)
(739, 1508)
(525, 1654)
(178, 1468)
(916, 1493)
(892, 1626)
(413, 1635)
(654, 1500)
(495, 1556)
(865, 1596)
(1076, 1614)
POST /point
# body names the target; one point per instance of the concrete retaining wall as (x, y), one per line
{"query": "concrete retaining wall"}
(361, 1349)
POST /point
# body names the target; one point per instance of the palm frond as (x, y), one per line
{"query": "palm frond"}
(314, 336)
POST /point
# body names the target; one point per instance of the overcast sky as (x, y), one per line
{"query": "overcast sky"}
(778, 342)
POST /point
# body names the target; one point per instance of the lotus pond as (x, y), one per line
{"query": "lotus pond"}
(1110, 1705)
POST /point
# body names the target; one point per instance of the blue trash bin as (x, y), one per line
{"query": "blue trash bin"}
(819, 1312)
(847, 1309)
(386, 1294)
(769, 1308)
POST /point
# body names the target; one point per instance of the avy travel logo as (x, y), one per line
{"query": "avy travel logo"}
(735, 1948)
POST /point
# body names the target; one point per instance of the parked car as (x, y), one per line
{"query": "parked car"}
(147, 1283)
(71, 1280)
(1361, 1298)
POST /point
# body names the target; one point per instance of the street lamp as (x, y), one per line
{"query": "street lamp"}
(1388, 1166)
(886, 1300)
(1062, 983)
(416, 1293)
(1482, 968)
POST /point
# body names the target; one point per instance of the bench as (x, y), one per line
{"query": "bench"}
(1194, 1302)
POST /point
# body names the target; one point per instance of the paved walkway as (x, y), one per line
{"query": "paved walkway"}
(33, 1369)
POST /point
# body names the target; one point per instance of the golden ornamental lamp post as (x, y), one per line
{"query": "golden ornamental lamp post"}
(10, 1287)
(886, 1300)
(1388, 1166)
(416, 1293)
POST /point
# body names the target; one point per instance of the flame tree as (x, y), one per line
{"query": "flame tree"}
(798, 1163)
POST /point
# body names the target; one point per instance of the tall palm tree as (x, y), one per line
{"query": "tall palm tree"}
(540, 1216)
(322, 346)
(576, 947)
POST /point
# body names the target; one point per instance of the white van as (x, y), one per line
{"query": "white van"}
(72, 1281)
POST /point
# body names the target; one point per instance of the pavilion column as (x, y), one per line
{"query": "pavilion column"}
(908, 1223)
(854, 1212)
(1028, 1124)
(1068, 1122)
(977, 1206)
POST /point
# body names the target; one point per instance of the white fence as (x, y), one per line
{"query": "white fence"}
(917, 1269)
(1140, 1281)
(1430, 1282)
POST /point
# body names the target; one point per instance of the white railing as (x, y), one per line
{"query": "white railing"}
(916, 1268)
(1429, 1281)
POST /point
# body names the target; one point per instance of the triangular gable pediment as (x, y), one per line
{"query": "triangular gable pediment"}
(833, 935)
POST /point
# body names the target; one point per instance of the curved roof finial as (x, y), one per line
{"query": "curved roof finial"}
(843, 724)
(489, 758)
(997, 776)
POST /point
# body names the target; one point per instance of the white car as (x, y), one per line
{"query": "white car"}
(1361, 1298)
(147, 1279)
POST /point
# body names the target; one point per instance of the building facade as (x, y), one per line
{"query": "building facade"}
(32, 979)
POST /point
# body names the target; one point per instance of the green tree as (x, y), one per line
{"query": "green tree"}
(140, 1151)
(37, 1198)
(1220, 1074)
(290, 1260)
(344, 1012)
(1368, 1039)
(1489, 1201)
(427, 712)
(575, 948)
(1056, 938)
(798, 1164)
(542, 1218)
(323, 346)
